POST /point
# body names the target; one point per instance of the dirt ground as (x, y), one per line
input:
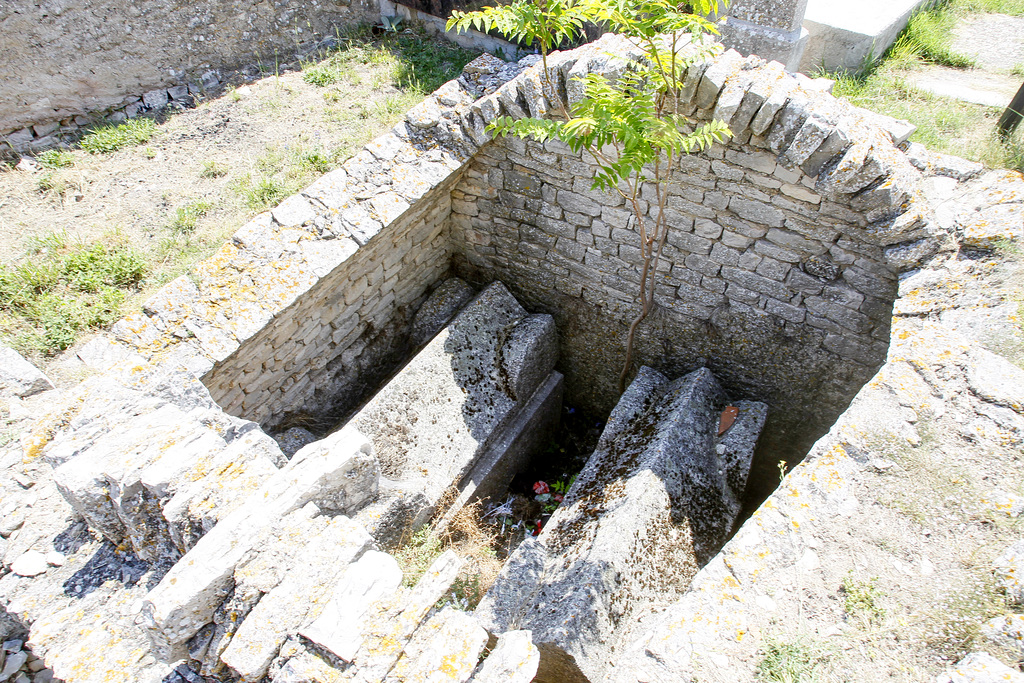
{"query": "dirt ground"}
(238, 152)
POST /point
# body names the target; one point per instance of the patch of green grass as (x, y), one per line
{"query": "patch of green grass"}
(1017, 69)
(413, 61)
(929, 34)
(107, 139)
(417, 554)
(260, 192)
(55, 158)
(790, 662)
(58, 292)
(51, 183)
(860, 598)
(211, 169)
(187, 217)
(943, 124)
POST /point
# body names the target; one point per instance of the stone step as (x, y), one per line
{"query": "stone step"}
(653, 504)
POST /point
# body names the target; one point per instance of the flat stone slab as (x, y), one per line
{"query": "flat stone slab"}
(843, 35)
(457, 397)
(18, 377)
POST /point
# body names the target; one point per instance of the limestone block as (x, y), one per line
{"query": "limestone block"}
(218, 483)
(299, 597)
(341, 627)
(293, 211)
(339, 471)
(18, 377)
(446, 648)
(980, 667)
(439, 308)
(996, 380)
(513, 660)
(1009, 571)
(389, 630)
(119, 482)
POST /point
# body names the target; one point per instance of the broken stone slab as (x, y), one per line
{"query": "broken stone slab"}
(996, 380)
(338, 473)
(389, 630)
(980, 667)
(299, 597)
(435, 420)
(437, 311)
(513, 660)
(1006, 631)
(116, 484)
(18, 377)
(652, 502)
(1009, 572)
(341, 626)
(447, 647)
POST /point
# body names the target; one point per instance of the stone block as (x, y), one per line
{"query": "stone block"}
(513, 660)
(18, 377)
(447, 648)
(340, 627)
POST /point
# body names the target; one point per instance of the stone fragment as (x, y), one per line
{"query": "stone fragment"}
(18, 377)
(980, 667)
(341, 626)
(31, 563)
(293, 211)
(447, 647)
(14, 662)
(513, 660)
(299, 597)
(1006, 631)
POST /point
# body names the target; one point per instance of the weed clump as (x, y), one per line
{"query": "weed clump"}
(107, 139)
(46, 301)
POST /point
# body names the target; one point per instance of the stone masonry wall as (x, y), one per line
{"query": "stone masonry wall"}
(347, 333)
(63, 58)
(781, 262)
(308, 307)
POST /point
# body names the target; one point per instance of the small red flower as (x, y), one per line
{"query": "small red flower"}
(541, 487)
(557, 497)
(536, 532)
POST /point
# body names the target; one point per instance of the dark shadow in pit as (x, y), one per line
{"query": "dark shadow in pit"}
(110, 564)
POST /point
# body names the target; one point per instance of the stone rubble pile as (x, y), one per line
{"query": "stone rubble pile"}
(19, 665)
(230, 560)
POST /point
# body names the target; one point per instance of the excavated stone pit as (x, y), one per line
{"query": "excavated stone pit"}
(775, 296)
